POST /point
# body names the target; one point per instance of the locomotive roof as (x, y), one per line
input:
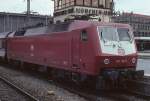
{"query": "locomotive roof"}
(4, 34)
(83, 24)
(67, 26)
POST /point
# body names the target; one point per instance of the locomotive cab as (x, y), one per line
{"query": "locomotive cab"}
(118, 53)
(117, 47)
(116, 41)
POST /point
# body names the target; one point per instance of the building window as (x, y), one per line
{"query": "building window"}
(63, 3)
(72, 2)
(79, 2)
(101, 4)
(136, 34)
(87, 2)
(94, 3)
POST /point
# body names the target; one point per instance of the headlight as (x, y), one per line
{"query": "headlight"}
(133, 60)
(106, 61)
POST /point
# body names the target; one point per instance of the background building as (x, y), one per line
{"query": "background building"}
(141, 26)
(14, 21)
(66, 8)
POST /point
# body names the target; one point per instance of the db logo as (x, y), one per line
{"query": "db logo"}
(121, 51)
(32, 47)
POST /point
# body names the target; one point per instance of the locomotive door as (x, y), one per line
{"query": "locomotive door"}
(75, 50)
(84, 54)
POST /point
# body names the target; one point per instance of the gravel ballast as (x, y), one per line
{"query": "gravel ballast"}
(41, 89)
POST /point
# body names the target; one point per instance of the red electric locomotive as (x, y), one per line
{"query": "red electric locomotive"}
(78, 50)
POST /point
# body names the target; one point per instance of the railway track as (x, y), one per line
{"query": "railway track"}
(71, 88)
(18, 89)
(100, 96)
(139, 87)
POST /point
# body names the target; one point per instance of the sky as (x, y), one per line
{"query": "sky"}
(137, 6)
(45, 7)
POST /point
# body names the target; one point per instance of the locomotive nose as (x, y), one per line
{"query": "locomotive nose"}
(118, 61)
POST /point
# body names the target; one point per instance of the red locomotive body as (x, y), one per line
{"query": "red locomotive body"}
(83, 47)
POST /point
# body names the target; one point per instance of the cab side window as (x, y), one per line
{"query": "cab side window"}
(84, 35)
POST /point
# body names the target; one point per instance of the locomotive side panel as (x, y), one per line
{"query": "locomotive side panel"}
(48, 50)
(17, 48)
(64, 50)
(59, 50)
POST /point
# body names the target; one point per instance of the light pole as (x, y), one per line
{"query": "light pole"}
(28, 12)
(28, 7)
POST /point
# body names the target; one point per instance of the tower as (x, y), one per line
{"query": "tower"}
(64, 9)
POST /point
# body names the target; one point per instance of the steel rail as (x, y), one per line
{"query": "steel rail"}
(18, 89)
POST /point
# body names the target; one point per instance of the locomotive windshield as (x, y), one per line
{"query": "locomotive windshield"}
(109, 33)
(114, 34)
(123, 34)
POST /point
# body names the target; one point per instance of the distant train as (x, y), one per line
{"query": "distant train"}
(82, 51)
